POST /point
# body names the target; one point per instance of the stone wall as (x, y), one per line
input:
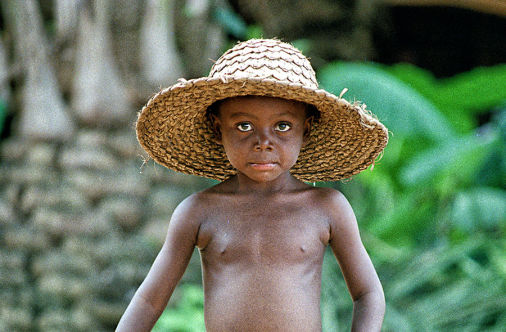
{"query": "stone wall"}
(80, 224)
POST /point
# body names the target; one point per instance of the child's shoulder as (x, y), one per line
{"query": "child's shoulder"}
(331, 202)
(328, 196)
(197, 200)
(201, 201)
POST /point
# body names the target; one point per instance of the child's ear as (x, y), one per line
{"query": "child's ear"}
(216, 125)
(308, 123)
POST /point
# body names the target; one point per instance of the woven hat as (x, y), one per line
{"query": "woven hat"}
(175, 130)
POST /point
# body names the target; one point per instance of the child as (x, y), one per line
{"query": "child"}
(260, 124)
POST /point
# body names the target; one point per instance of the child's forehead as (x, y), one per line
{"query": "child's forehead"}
(261, 103)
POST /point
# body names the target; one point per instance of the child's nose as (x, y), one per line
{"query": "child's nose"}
(263, 142)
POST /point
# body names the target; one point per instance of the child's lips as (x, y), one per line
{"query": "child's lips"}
(262, 166)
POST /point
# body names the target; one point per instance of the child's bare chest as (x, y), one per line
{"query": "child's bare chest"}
(268, 233)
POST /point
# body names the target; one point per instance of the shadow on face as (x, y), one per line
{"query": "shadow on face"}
(213, 111)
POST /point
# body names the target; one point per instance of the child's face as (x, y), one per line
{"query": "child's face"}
(262, 136)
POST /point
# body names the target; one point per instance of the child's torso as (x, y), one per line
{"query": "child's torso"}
(262, 263)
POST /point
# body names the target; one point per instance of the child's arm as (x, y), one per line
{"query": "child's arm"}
(152, 296)
(358, 271)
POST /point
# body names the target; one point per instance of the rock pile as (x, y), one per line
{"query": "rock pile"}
(80, 225)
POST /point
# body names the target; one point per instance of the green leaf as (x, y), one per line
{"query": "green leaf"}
(475, 91)
(426, 84)
(254, 32)
(459, 97)
(402, 109)
(417, 78)
(187, 315)
(426, 266)
(493, 170)
(462, 155)
(303, 45)
(231, 21)
(406, 220)
(3, 114)
(479, 208)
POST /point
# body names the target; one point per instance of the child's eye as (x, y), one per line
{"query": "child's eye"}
(283, 126)
(244, 126)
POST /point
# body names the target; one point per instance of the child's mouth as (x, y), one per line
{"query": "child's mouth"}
(262, 166)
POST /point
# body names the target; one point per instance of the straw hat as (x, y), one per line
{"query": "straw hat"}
(176, 132)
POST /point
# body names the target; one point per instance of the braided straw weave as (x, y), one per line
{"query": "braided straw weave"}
(175, 130)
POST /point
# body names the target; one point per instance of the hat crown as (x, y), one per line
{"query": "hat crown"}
(265, 59)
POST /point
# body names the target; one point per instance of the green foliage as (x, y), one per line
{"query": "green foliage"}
(3, 114)
(187, 315)
(460, 97)
(235, 25)
(401, 108)
(460, 157)
(441, 289)
(303, 45)
(433, 211)
(446, 288)
(479, 208)
(231, 22)
(254, 31)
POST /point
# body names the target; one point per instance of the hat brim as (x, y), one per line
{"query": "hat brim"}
(175, 130)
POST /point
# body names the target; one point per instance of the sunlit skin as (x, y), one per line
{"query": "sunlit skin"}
(261, 234)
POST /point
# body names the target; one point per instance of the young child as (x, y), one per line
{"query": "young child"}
(260, 124)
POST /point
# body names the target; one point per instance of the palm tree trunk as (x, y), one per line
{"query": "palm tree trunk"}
(99, 95)
(204, 39)
(43, 112)
(159, 57)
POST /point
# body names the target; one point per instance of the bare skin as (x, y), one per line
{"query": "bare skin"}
(261, 235)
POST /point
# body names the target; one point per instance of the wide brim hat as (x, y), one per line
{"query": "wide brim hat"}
(175, 130)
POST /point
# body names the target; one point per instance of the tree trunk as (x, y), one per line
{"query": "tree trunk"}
(43, 112)
(159, 57)
(67, 13)
(5, 91)
(203, 39)
(99, 96)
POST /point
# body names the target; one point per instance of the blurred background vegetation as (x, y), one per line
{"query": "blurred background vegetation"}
(432, 213)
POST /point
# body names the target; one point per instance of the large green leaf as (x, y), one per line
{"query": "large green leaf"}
(187, 315)
(475, 91)
(231, 22)
(493, 170)
(460, 157)
(426, 84)
(3, 114)
(445, 289)
(459, 97)
(406, 220)
(480, 208)
(426, 267)
(403, 110)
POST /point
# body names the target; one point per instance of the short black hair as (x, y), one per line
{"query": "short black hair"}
(214, 109)
(311, 110)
